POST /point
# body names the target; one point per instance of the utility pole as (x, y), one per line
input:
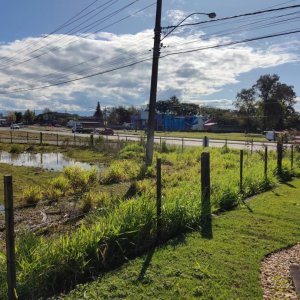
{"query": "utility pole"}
(153, 89)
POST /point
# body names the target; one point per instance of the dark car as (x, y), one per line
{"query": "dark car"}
(105, 131)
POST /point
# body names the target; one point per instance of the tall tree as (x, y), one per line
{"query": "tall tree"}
(98, 113)
(11, 117)
(29, 116)
(272, 100)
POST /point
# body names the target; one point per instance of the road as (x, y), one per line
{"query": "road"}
(181, 142)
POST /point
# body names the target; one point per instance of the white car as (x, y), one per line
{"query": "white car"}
(14, 126)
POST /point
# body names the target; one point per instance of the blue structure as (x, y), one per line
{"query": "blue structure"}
(168, 122)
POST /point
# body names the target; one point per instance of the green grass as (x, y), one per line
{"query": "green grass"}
(223, 267)
(127, 228)
(222, 136)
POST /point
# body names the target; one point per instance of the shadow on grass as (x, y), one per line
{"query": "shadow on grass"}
(146, 264)
(289, 184)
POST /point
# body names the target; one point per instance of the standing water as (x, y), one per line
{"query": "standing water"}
(49, 161)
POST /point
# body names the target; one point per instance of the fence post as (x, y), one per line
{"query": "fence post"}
(279, 157)
(292, 157)
(182, 144)
(10, 237)
(225, 143)
(252, 146)
(27, 137)
(92, 139)
(241, 169)
(74, 139)
(41, 138)
(205, 187)
(205, 141)
(158, 199)
(266, 162)
(11, 139)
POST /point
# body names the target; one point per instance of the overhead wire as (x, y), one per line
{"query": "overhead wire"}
(147, 59)
(74, 38)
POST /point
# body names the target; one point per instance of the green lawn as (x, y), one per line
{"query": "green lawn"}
(211, 135)
(223, 267)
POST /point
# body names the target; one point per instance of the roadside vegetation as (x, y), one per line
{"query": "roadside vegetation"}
(120, 228)
(227, 266)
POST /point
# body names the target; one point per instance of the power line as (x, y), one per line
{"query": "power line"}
(234, 17)
(233, 43)
(103, 19)
(147, 59)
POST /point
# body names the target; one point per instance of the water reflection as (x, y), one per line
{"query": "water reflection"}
(49, 161)
(1, 208)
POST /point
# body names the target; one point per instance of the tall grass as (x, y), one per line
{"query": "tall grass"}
(128, 228)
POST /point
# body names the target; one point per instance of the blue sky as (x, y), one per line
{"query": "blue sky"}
(30, 59)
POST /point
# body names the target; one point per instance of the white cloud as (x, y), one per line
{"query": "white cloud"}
(191, 76)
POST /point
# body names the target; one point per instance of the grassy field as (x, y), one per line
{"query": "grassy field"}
(197, 135)
(124, 227)
(223, 267)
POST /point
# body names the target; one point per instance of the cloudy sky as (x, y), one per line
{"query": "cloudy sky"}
(68, 54)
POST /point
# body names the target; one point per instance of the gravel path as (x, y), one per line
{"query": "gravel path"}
(276, 279)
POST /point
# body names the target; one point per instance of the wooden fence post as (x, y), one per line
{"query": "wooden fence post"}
(252, 146)
(10, 237)
(57, 140)
(266, 162)
(241, 169)
(205, 186)
(205, 141)
(292, 157)
(41, 138)
(182, 144)
(158, 200)
(11, 138)
(92, 139)
(279, 157)
(27, 137)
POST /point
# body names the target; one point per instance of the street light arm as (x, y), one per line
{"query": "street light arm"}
(210, 15)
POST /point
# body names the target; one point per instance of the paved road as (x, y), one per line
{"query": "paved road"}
(190, 142)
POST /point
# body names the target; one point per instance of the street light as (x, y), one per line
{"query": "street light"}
(154, 76)
(211, 15)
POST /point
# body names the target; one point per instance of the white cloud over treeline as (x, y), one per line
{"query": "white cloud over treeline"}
(36, 62)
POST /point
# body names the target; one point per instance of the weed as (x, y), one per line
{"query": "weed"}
(32, 194)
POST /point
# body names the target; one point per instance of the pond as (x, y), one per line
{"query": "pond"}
(49, 161)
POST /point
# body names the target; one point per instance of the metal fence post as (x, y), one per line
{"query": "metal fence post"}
(292, 157)
(241, 169)
(158, 200)
(266, 162)
(10, 237)
(279, 157)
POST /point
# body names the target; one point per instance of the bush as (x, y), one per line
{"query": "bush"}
(32, 194)
(60, 183)
(16, 149)
(120, 171)
(132, 150)
(80, 180)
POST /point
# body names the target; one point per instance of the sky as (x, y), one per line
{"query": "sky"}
(104, 50)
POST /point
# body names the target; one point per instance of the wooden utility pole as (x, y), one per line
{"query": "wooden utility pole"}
(153, 89)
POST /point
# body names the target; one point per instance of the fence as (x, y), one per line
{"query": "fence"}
(206, 228)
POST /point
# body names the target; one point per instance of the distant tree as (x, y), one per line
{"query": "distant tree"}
(274, 101)
(46, 110)
(174, 106)
(19, 116)
(247, 107)
(98, 113)
(119, 115)
(11, 117)
(29, 116)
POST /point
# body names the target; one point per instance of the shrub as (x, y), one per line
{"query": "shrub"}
(16, 149)
(80, 180)
(132, 150)
(60, 183)
(32, 194)
(120, 171)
